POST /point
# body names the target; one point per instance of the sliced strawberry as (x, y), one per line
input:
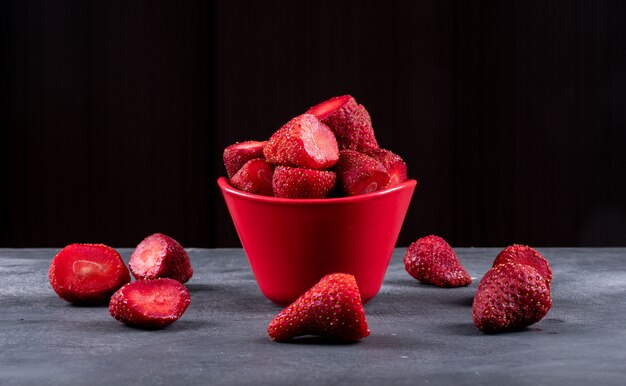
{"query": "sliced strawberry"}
(291, 182)
(303, 142)
(350, 122)
(331, 308)
(511, 296)
(150, 303)
(236, 155)
(392, 162)
(160, 256)
(432, 260)
(360, 174)
(255, 176)
(87, 273)
(524, 254)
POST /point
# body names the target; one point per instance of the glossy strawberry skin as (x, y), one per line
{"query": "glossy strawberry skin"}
(159, 256)
(303, 142)
(524, 254)
(87, 273)
(236, 155)
(150, 304)
(291, 182)
(332, 308)
(255, 176)
(360, 174)
(432, 260)
(511, 296)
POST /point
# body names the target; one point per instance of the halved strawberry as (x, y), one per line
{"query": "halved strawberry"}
(392, 162)
(331, 308)
(291, 182)
(255, 176)
(158, 256)
(236, 155)
(360, 174)
(303, 142)
(150, 303)
(350, 122)
(87, 273)
(524, 254)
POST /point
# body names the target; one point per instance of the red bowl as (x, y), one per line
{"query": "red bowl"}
(292, 243)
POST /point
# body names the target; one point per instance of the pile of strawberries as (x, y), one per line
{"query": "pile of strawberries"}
(89, 274)
(328, 151)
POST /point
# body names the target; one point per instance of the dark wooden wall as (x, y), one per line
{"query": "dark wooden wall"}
(114, 114)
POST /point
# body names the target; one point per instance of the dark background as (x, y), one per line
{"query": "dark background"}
(114, 114)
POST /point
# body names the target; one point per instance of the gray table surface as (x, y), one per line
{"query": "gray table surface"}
(420, 334)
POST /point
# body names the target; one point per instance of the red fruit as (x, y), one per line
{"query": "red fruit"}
(524, 254)
(303, 142)
(392, 162)
(511, 296)
(236, 155)
(291, 182)
(150, 303)
(87, 273)
(255, 176)
(331, 308)
(350, 122)
(432, 260)
(360, 174)
(160, 256)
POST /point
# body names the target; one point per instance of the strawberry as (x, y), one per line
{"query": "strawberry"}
(303, 142)
(160, 256)
(87, 273)
(511, 296)
(524, 254)
(392, 162)
(302, 183)
(432, 260)
(331, 308)
(150, 303)
(350, 122)
(236, 155)
(255, 176)
(360, 174)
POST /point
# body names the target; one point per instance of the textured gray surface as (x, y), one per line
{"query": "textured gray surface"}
(420, 334)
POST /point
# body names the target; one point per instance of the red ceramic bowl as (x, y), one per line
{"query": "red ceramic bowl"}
(292, 243)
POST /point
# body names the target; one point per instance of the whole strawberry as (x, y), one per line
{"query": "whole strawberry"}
(511, 296)
(524, 254)
(432, 260)
(331, 308)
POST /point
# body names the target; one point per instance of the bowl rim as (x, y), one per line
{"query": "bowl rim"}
(225, 185)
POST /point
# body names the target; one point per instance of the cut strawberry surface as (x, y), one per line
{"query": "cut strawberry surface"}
(236, 155)
(291, 182)
(159, 256)
(524, 254)
(150, 303)
(303, 142)
(350, 122)
(254, 177)
(87, 273)
(392, 162)
(332, 308)
(360, 174)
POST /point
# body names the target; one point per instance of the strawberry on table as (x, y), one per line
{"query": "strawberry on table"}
(236, 155)
(432, 260)
(332, 308)
(291, 182)
(87, 273)
(360, 174)
(349, 120)
(511, 296)
(392, 162)
(159, 256)
(303, 142)
(255, 176)
(150, 304)
(524, 254)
